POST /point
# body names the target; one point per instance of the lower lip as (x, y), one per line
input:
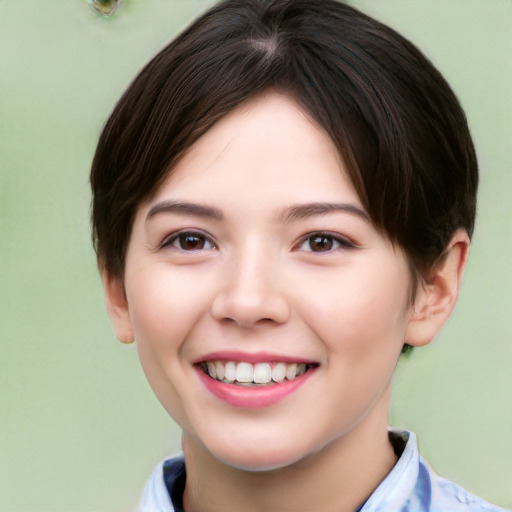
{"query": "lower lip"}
(253, 397)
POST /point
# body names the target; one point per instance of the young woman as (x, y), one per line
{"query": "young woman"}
(283, 202)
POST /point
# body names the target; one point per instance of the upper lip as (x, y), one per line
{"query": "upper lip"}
(252, 357)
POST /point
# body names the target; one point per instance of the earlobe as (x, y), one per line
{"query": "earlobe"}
(437, 296)
(117, 307)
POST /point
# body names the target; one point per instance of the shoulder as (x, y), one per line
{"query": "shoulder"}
(449, 496)
(412, 485)
(156, 497)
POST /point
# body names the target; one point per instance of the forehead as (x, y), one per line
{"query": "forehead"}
(267, 145)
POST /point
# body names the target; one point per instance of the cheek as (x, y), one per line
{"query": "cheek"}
(360, 312)
(164, 305)
(152, 311)
(162, 316)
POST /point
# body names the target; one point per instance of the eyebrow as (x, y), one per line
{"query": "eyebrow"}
(303, 211)
(296, 212)
(184, 208)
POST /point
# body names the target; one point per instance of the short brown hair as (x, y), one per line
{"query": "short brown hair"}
(393, 117)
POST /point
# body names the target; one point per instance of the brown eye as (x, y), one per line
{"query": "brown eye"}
(189, 241)
(321, 243)
(324, 242)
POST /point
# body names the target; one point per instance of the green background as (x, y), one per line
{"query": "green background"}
(79, 427)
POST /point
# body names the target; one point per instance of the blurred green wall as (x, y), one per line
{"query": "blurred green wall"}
(79, 427)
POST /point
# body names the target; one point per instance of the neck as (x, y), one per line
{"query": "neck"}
(340, 476)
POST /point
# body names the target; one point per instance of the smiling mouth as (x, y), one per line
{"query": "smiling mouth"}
(248, 374)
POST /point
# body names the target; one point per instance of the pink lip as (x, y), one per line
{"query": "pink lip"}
(258, 357)
(255, 396)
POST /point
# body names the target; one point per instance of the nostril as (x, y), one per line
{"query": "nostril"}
(249, 302)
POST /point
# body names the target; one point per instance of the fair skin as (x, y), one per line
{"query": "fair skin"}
(257, 249)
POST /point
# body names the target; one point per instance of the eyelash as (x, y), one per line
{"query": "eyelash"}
(333, 242)
(177, 239)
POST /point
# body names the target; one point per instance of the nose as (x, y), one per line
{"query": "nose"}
(251, 292)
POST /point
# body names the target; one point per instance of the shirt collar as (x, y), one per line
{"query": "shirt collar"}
(392, 493)
(396, 489)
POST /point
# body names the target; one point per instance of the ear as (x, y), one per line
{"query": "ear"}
(436, 297)
(117, 307)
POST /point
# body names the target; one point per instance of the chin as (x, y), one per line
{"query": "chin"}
(256, 459)
(259, 464)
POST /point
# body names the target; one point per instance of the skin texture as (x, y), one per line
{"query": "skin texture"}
(259, 275)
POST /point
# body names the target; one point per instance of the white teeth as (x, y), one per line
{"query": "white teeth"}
(230, 371)
(244, 372)
(262, 373)
(211, 370)
(219, 368)
(279, 372)
(291, 371)
(247, 374)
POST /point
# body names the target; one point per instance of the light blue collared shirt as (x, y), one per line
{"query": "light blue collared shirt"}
(411, 486)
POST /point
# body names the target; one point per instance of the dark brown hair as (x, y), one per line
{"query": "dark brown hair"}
(394, 119)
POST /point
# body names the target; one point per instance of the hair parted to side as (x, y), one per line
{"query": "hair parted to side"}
(393, 117)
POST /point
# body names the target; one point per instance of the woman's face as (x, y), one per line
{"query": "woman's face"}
(255, 261)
